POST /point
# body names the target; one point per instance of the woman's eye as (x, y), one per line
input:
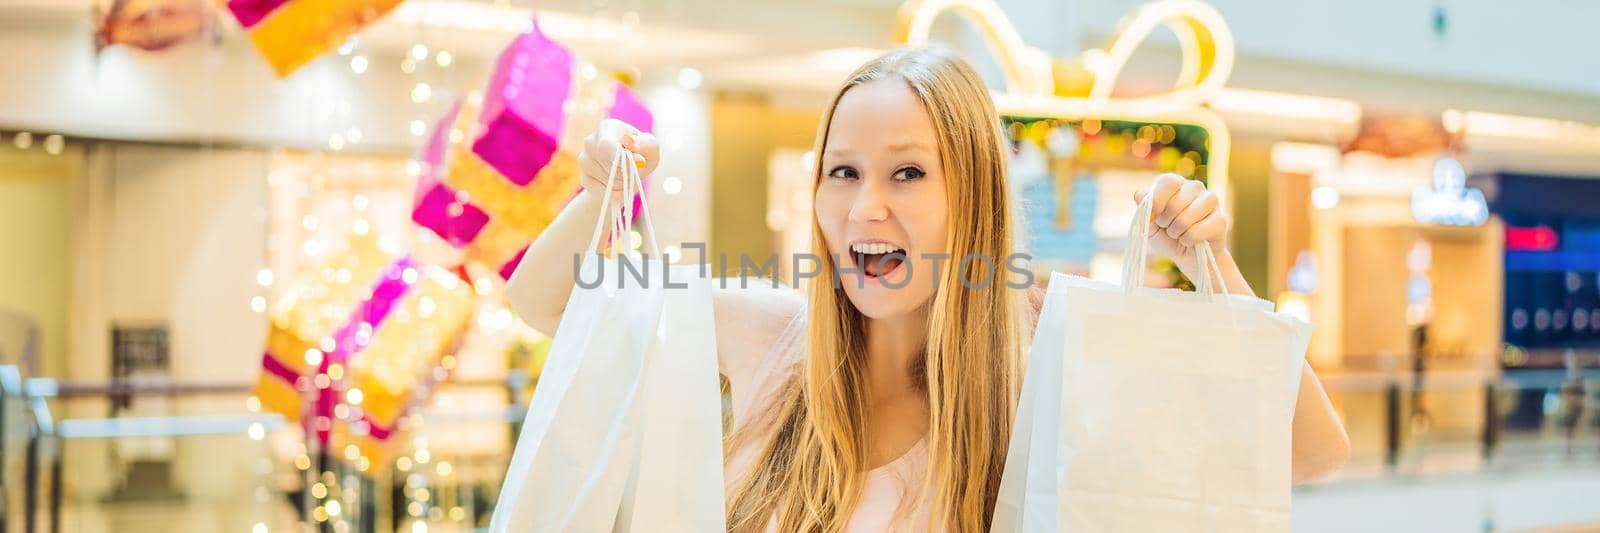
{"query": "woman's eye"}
(908, 174)
(844, 173)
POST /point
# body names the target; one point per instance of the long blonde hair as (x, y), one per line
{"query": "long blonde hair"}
(810, 471)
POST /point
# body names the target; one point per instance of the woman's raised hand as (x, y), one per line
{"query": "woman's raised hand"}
(1186, 214)
(600, 147)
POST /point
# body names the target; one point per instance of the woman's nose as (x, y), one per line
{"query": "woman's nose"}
(869, 204)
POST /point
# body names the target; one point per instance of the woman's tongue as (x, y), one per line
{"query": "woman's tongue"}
(876, 265)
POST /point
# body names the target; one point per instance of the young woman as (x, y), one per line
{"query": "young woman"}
(882, 398)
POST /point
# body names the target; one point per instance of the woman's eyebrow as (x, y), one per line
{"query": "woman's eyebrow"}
(896, 147)
(909, 146)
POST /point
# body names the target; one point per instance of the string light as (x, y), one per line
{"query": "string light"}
(419, 52)
(358, 64)
(23, 140)
(421, 92)
(349, 45)
(443, 58)
(54, 144)
(689, 78)
(418, 127)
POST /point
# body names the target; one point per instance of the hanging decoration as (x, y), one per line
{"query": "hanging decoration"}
(349, 380)
(496, 171)
(152, 25)
(291, 33)
(1401, 135)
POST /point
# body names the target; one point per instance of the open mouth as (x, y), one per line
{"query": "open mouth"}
(877, 259)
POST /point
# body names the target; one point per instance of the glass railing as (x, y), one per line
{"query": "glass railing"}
(1411, 425)
(172, 456)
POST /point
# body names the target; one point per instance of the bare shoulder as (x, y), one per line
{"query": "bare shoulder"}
(754, 303)
(751, 317)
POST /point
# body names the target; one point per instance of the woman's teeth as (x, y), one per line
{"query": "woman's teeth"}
(873, 259)
(874, 248)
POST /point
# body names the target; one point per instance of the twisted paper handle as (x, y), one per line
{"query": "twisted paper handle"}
(623, 163)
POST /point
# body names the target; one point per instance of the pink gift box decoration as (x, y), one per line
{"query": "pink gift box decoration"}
(397, 329)
(250, 12)
(435, 204)
(526, 106)
(495, 174)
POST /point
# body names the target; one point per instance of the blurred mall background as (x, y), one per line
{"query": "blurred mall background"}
(193, 196)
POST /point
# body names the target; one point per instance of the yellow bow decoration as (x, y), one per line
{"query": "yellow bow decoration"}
(1080, 88)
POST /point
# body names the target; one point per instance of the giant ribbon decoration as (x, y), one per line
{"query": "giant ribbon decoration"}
(1038, 87)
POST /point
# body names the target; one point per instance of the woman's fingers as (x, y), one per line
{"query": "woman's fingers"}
(1193, 213)
(647, 147)
(600, 150)
(1162, 192)
(1187, 193)
(1209, 229)
(1183, 212)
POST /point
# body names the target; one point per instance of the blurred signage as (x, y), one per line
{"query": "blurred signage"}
(1448, 201)
(1531, 239)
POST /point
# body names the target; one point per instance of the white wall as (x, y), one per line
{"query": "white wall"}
(169, 235)
(198, 92)
(35, 260)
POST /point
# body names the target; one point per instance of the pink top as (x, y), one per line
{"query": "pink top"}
(759, 335)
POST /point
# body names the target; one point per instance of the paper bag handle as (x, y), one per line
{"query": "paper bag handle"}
(623, 162)
(1134, 262)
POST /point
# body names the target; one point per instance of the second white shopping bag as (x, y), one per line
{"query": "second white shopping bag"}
(624, 429)
(1154, 409)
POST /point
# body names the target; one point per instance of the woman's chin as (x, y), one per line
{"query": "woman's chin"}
(878, 302)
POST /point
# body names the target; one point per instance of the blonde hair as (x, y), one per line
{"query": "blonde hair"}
(811, 469)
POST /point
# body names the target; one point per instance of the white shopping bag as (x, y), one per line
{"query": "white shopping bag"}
(1154, 409)
(617, 436)
(677, 485)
